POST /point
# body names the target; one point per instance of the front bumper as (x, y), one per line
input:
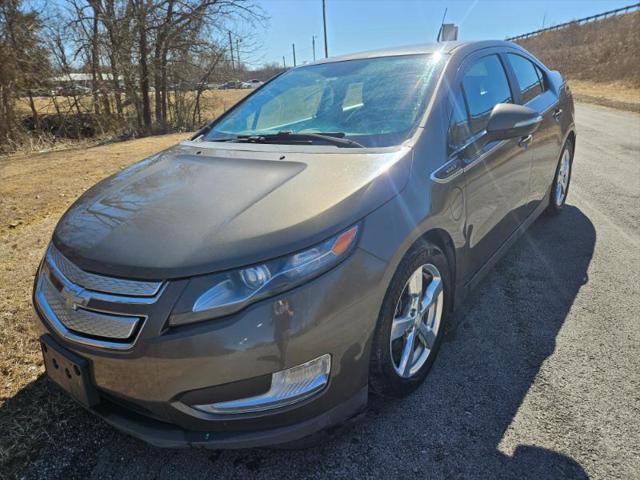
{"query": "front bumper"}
(162, 434)
(148, 390)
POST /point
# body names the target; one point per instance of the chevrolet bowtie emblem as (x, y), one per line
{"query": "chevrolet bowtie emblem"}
(73, 297)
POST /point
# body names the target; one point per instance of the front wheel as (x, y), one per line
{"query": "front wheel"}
(560, 187)
(411, 322)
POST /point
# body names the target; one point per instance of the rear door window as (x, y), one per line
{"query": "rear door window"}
(528, 76)
(485, 85)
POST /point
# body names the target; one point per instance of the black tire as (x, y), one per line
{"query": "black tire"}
(554, 208)
(383, 378)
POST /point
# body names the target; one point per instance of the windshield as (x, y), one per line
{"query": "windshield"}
(376, 102)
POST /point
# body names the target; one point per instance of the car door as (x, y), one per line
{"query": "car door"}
(533, 90)
(496, 173)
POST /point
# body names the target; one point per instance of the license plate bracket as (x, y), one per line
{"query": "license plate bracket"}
(69, 371)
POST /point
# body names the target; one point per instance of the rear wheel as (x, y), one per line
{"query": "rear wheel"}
(411, 322)
(562, 179)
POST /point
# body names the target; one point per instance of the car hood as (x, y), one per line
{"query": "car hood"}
(194, 210)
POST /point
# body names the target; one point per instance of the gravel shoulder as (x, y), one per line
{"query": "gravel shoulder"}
(538, 376)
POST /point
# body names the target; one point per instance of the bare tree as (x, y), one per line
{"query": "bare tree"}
(23, 62)
(147, 62)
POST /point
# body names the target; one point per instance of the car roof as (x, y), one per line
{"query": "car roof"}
(442, 47)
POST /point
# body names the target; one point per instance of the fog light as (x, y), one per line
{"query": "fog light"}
(287, 387)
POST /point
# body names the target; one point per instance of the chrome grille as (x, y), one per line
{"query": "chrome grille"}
(86, 322)
(100, 283)
(92, 309)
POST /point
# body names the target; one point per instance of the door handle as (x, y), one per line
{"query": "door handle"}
(557, 113)
(525, 141)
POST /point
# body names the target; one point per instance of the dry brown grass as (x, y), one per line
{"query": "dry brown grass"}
(610, 94)
(214, 102)
(34, 191)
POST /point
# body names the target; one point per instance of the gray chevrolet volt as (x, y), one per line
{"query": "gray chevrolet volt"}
(248, 287)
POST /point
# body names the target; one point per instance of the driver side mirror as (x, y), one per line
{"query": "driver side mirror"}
(508, 120)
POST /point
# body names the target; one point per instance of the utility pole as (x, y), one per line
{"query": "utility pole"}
(293, 45)
(313, 45)
(284, 63)
(324, 22)
(231, 49)
(238, 50)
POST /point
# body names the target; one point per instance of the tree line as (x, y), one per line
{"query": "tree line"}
(148, 62)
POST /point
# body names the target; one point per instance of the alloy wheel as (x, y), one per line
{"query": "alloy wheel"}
(417, 319)
(562, 179)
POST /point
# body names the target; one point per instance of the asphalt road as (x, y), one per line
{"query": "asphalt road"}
(538, 378)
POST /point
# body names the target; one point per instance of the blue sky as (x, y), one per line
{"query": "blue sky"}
(356, 25)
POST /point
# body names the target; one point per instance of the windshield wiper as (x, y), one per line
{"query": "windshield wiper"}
(333, 138)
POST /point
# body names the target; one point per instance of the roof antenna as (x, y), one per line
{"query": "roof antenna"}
(441, 24)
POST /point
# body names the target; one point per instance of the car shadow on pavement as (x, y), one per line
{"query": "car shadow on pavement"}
(493, 352)
(454, 426)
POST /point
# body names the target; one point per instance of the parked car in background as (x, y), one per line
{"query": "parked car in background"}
(249, 286)
(71, 90)
(39, 92)
(252, 84)
(233, 85)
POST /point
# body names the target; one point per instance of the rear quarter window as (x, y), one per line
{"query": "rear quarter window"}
(529, 77)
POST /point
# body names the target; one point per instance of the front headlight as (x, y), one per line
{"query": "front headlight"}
(224, 293)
